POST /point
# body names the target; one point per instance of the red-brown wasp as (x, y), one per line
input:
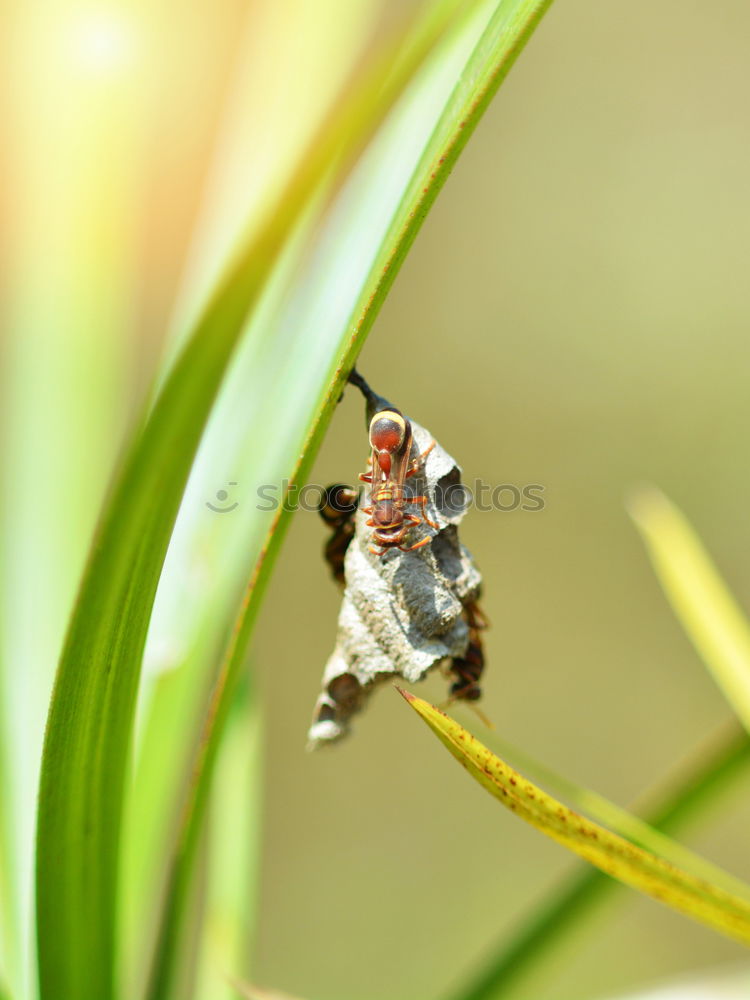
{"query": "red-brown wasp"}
(391, 439)
(468, 669)
(390, 466)
(337, 508)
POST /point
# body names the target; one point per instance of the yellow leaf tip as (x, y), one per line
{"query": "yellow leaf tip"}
(405, 694)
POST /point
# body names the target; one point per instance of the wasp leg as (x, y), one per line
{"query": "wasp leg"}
(469, 704)
(365, 477)
(480, 714)
(443, 705)
(419, 544)
(415, 465)
(424, 501)
(375, 551)
(476, 618)
(366, 510)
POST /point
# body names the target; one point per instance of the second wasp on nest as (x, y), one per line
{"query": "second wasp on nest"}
(411, 588)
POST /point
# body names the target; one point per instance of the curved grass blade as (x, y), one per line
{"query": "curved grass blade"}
(706, 609)
(712, 770)
(623, 821)
(643, 870)
(8, 929)
(152, 804)
(234, 851)
(504, 29)
(91, 713)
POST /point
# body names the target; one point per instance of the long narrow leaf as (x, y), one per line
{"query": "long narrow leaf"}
(614, 817)
(502, 33)
(699, 597)
(91, 714)
(153, 802)
(200, 580)
(712, 769)
(8, 928)
(234, 842)
(649, 873)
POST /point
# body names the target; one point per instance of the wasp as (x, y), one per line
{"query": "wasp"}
(468, 669)
(337, 508)
(390, 462)
(391, 441)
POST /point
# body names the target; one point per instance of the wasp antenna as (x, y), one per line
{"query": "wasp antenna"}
(481, 716)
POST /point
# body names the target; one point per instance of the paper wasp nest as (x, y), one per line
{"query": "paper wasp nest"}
(403, 613)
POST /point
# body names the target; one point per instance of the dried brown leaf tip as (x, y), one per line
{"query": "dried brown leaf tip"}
(410, 586)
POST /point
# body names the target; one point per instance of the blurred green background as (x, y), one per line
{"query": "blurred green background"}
(574, 313)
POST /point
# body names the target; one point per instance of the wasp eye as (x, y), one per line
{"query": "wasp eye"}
(387, 431)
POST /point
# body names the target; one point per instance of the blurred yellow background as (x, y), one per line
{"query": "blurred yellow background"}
(574, 314)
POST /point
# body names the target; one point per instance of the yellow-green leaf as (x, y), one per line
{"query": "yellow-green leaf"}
(699, 597)
(613, 854)
(625, 822)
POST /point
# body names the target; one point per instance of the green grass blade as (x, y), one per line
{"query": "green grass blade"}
(8, 924)
(706, 609)
(643, 870)
(91, 714)
(234, 849)
(497, 37)
(152, 806)
(712, 770)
